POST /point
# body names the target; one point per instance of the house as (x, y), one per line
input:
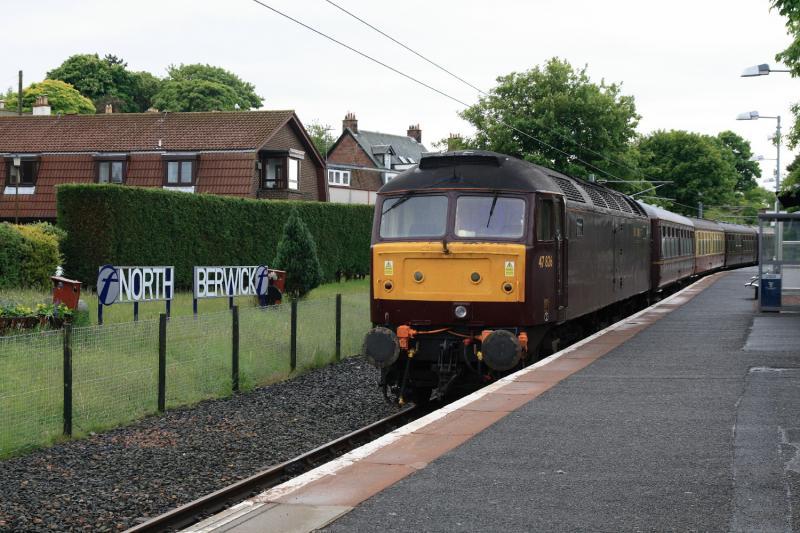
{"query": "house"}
(251, 154)
(360, 162)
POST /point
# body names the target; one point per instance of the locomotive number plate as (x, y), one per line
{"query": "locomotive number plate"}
(545, 261)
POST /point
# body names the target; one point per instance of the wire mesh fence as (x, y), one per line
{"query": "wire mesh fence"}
(87, 379)
(114, 373)
(31, 390)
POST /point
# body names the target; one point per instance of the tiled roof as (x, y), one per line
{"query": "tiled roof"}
(132, 132)
(402, 145)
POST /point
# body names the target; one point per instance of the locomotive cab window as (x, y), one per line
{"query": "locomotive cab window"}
(490, 216)
(544, 220)
(413, 216)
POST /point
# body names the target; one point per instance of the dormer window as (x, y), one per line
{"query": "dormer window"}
(22, 171)
(281, 169)
(110, 168)
(21, 174)
(180, 170)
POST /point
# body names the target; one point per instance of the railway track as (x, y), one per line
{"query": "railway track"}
(215, 502)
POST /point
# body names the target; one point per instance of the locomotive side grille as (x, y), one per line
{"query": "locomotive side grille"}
(569, 189)
(594, 194)
(610, 200)
(623, 204)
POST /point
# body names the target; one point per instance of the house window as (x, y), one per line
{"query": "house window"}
(339, 177)
(110, 171)
(273, 174)
(180, 170)
(24, 174)
(294, 173)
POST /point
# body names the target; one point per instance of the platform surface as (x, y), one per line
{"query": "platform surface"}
(692, 424)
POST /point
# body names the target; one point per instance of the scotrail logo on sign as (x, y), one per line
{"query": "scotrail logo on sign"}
(229, 281)
(124, 284)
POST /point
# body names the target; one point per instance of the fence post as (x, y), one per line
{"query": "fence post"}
(68, 380)
(338, 327)
(162, 362)
(293, 349)
(235, 349)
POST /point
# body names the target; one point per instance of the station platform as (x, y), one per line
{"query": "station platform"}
(685, 416)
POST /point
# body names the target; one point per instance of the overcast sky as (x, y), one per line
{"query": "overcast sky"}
(681, 59)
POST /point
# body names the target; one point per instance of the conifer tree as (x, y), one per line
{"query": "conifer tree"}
(297, 255)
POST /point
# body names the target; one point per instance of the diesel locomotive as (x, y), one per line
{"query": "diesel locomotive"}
(479, 257)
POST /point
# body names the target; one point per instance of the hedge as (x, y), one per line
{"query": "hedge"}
(112, 224)
(28, 255)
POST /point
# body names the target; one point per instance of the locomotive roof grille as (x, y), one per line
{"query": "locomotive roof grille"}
(594, 194)
(569, 189)
(439, 161)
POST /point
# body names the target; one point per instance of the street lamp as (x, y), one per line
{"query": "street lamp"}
(754, 115)
(760, 70)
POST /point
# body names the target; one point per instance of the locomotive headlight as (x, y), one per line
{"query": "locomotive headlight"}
(388, 285)
(475, 277)
(460, 311)
(418, 276)
(507, 287)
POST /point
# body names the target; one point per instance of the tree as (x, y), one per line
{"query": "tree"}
(748, 170)
(560, 118)
(62, 97)
(204, 88)
(108, 81)
(321, 136)
(790, 56)
(297, 255)
(701, 168)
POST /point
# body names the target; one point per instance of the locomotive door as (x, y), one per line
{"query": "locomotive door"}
(548, 261)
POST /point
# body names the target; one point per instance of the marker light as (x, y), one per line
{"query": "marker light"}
(460, 311)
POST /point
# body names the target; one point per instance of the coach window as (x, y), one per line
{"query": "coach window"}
(544, 220)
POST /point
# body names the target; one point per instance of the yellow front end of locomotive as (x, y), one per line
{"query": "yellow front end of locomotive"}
(453, 271)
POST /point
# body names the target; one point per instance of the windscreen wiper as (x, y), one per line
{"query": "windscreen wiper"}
(491, 210)
(402, 199)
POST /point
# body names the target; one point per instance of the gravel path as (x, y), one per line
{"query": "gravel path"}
(110, 481)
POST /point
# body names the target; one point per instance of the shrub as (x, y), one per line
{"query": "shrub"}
(142, 226)
(28, 256)
(297, 255)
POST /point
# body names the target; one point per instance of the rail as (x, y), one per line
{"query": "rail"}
(215, 502)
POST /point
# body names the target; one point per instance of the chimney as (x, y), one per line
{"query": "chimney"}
(351, 122)
(109, 109)
(415, 133)
(454, 142)
(41, 107)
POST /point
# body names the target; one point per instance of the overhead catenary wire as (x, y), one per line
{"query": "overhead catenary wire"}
(484, 93)
(430, 87)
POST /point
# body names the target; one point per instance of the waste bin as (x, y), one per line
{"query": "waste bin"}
(771, 290)
(66, 291)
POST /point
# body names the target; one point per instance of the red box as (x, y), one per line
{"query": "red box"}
(66, 291)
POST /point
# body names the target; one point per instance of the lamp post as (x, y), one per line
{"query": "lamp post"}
(760, 70)
(754, 115)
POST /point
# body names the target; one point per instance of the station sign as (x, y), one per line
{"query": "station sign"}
(228, 282)
(134, 284)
